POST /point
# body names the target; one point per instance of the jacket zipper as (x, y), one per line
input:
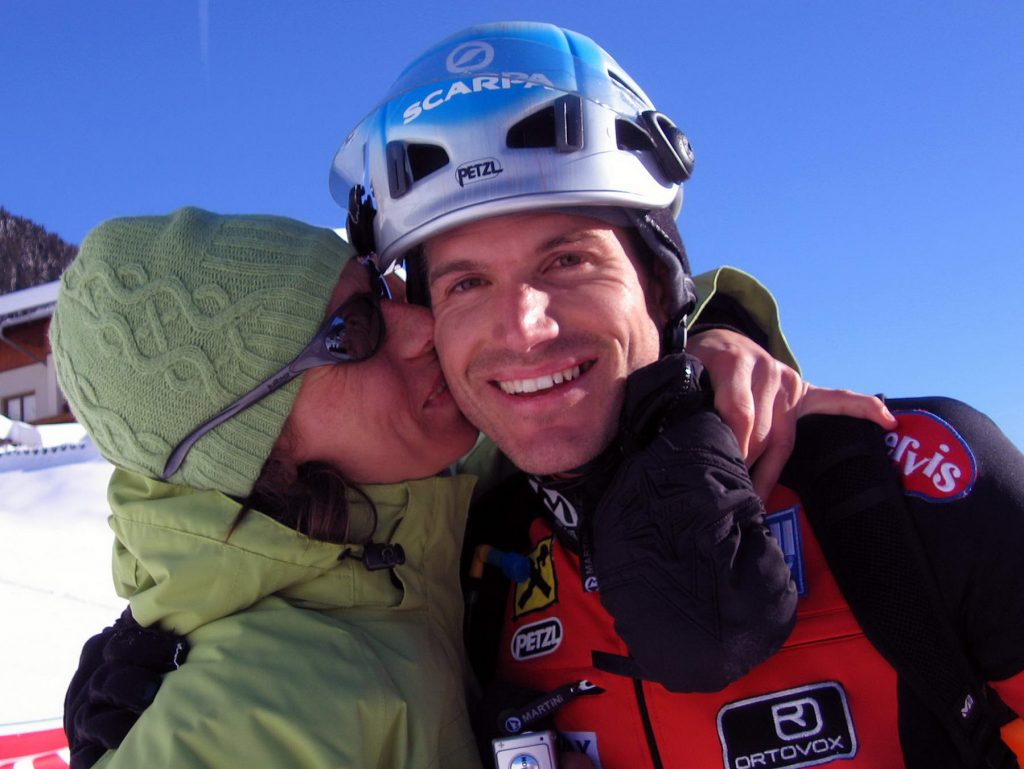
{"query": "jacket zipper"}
(645, 717)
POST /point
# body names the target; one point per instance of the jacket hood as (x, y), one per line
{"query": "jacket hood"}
(174, 561)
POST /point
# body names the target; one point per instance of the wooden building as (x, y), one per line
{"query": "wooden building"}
(28, 381)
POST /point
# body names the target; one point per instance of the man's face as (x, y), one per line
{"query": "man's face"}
(539, 318)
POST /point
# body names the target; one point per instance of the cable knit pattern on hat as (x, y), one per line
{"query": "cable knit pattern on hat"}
(163, 321)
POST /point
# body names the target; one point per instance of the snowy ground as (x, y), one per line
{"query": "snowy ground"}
(55, 583)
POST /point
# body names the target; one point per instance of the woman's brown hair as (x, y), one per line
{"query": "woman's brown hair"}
(309, 497)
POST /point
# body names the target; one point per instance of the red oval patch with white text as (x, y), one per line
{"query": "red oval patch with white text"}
(936, 463)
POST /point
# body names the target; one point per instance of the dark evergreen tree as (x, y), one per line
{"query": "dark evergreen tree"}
(29, 255)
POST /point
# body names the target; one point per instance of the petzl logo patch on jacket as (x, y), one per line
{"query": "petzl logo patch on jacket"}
(806, 726)
(541, 589)
(537, 639)
(935, 461)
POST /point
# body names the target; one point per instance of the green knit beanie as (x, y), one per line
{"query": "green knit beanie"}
(163, 321)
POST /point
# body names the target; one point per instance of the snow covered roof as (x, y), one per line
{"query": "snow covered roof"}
(29, 303)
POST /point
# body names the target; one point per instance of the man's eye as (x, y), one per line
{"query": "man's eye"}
(465, 285)
(568, 260)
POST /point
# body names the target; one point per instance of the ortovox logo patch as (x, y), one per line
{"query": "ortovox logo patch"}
(537, 639)
(806, 726)
(541, 589)
(936, 462)
(785, 527)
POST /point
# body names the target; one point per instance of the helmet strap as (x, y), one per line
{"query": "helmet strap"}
(658, 231)
(673, 338)
(359, 222)
(416, 289)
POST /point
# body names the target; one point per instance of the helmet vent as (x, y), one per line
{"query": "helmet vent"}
(424, 159)
(408, 163)
(559, 125)
(537, 130)
(630, 136)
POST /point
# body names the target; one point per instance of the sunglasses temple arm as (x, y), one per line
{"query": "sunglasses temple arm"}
(262, 390)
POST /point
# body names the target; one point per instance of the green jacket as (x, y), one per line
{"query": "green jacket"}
(750, 294)
(297, 659)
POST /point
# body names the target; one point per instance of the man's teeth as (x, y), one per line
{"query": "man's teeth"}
(517, 386)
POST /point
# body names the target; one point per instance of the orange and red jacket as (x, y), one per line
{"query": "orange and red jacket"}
(827, 695)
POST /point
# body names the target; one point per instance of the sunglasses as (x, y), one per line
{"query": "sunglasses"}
(353, 333)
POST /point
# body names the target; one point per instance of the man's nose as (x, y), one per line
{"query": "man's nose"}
(524, 318)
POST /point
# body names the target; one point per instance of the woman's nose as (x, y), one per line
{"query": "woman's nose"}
(409, 329)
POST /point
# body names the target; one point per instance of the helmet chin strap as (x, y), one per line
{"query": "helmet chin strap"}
(416, 289)
(657, 229)
(673, 338)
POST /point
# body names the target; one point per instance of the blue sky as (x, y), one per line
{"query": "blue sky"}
(864, 159)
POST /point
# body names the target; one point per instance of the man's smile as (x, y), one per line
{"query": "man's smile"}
(543, 382)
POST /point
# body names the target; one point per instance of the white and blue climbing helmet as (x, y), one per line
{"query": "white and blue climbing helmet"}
(506, 118)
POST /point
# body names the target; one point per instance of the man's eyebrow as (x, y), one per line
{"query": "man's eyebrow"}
(470, 265)
(459, 265)
(570, 238)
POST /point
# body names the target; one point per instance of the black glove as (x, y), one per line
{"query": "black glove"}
(118, 675)
(698, 588)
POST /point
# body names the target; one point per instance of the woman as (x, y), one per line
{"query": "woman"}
(317, 586)
(274, 548)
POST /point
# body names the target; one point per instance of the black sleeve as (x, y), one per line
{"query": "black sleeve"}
(973, 534)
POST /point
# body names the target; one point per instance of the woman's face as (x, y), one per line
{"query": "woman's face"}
(386, 419)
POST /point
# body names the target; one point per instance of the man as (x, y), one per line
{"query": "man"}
(531, 186)
(463, 136)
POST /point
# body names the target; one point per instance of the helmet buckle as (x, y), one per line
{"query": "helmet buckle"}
(675, 155)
